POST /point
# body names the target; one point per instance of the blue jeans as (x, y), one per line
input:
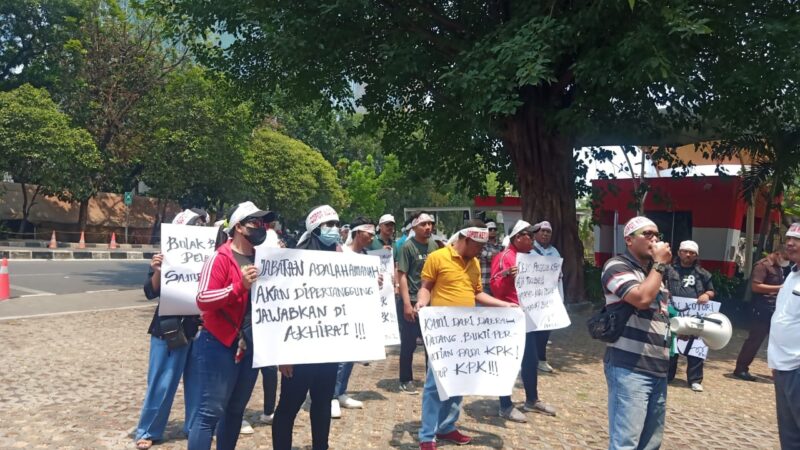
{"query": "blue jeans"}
(225, 390)
(529, 372)
(342, 378)
(163, 375)
(787, 402)
(637, 406)
(438, 417)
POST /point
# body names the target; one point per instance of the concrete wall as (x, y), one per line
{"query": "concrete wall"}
(106, 214)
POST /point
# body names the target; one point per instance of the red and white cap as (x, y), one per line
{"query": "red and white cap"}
(636, 224)
(794, 230)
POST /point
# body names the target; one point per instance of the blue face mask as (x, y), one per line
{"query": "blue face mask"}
(329, 235)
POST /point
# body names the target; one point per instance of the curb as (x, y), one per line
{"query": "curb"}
(47, 254)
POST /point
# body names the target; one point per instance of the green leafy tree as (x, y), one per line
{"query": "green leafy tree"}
(291, 177)
(32, 35)
(468, 88)
(115, 61)
(368, 185)
(197, 140)
(39, 146)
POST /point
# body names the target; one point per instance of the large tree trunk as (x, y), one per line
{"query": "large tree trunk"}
(83, 214)
(543, 159)
(25, 208)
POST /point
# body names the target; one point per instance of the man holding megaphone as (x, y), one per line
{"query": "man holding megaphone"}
(636, 364)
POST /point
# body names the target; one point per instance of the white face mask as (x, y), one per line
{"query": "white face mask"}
(783, 263)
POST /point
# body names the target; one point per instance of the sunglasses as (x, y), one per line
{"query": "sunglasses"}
(650, 234)
(257, 221)
(331, 224)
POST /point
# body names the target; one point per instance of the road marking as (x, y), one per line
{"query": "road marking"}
(20, 275)
(64, 313)
(45, 294)
(101, 290)
(29, 290)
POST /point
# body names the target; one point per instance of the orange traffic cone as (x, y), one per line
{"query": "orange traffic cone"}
(113, 244)
(82, 242)
(53, 243)
(5, 283)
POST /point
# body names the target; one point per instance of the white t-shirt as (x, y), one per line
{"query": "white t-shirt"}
(783, 352)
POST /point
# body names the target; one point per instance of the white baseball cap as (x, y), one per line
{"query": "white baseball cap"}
(247, 210)
(386, 218)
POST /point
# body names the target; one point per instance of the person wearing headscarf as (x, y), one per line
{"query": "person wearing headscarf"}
(301, 380)
(362, 233)
(225, 345)
(169, 358)
(410, 261)
(686, 278)
(451, 277)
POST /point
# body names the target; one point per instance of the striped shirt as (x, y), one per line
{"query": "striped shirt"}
(644, 344)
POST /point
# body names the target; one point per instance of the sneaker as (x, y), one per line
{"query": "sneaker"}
(539, 407)
(427, 445)
(336, 412)
(246, 428)
(266, 418)
(697, 387)
(350, 403)
(455, 437)
(513, 414)
(408, 388)
(545, 367)
(744, 376)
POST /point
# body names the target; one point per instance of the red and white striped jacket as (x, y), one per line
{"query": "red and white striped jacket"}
(221, 289)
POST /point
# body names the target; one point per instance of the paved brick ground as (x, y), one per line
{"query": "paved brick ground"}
(77, 381)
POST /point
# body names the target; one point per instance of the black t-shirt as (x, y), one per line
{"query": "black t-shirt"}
(689, 282)
(245, 260)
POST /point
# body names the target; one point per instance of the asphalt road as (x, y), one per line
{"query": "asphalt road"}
(53, 277)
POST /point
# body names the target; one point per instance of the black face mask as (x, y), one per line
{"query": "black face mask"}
(256, 236)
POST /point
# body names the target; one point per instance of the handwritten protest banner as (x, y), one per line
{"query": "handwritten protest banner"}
(391, 330)
(473, 351)
(688, 307)
(185, 249)
(315, 306)
(537, 284)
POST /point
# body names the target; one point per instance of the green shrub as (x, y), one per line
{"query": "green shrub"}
(593, 288)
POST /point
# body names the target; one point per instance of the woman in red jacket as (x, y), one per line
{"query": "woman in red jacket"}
(224, 349)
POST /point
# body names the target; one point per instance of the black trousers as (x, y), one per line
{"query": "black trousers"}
(319, 380)
(541, 343)
(759, 330)
(694, 368)
(409, 332)
(269, 380)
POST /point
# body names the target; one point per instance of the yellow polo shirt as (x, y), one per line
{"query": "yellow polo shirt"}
(456, 282)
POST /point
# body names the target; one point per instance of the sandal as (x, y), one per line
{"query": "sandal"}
(144, 444)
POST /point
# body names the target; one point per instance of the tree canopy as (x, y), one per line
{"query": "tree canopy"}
(466, 88)
(290, 177)
(39, 146)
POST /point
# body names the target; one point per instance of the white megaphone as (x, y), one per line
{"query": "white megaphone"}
(715, 328)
